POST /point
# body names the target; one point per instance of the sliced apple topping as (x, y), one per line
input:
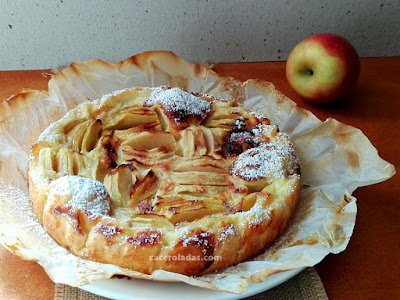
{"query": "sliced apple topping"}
(230, 117)
(199, 190)
(92, 136)
(131, 117)
(119, 183)
(204, 178)
(186, 208)
(85, 135)
(47, 159)
(144, 188)
(70, 162)
(192, 142)
(149, 140)
(249, 201)
(202, 164)
(178, 109)
(148, 148)
(77, 133)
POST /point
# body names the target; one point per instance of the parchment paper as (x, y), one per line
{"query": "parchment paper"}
(335, 160)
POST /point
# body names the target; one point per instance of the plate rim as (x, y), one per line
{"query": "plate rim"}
(105, 288)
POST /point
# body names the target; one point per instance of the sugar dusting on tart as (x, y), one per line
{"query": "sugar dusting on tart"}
(266, 160)
(179, 103)
(86, 195)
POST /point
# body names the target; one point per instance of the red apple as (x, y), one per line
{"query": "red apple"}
(323, 68)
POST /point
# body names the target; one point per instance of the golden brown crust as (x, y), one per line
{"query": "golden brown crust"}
(144, 181)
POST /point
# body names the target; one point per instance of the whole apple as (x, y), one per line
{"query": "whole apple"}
(323, 68)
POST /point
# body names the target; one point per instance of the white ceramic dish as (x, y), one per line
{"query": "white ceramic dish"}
(128, 289)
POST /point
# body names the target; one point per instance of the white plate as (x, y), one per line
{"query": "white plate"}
(128, 289)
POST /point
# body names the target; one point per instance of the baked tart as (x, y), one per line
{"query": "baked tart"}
(160, 178)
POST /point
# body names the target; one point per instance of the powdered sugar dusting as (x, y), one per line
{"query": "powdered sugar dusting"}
(204, 240)
(240, 122)
(191, 240)
(50, 133)
(109, 230)
(228, 231)
(149, 237)
(257, 115)
(20, 204)
(87, 195)
(38, 178)
(196, 239)
(266, 160)
(255, 216)
(241, 135)
(214, 97)
(262, 131)
(19, 211)
(180, 102)
(113, 94)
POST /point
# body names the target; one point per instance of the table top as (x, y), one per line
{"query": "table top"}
(368, 268)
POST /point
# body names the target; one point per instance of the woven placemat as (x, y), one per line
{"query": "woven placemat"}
(306, 285)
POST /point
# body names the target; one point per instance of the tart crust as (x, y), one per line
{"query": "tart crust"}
(159, 178)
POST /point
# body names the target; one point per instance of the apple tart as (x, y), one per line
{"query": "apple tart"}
(160, 178)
